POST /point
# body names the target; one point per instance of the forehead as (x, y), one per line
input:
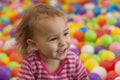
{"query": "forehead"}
(50, 26)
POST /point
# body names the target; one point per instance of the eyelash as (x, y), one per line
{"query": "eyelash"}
(65, 34)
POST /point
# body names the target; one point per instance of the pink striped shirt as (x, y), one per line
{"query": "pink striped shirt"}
(33, 68)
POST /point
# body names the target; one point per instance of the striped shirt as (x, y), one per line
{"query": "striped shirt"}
(33, 68)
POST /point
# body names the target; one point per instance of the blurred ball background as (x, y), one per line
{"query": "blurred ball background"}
(94, 28)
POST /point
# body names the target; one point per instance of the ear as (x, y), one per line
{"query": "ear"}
(32, 44)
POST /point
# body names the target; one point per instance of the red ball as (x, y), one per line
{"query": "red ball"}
(116, 59)
(108, 65)
(2, 64)
(111, 75)
(99, 32)
(79, 35)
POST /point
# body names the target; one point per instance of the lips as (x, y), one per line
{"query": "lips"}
(61, 51)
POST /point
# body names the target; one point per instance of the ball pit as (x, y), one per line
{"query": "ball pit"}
(95, 23)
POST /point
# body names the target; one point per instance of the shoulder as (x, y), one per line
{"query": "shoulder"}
(71, 55)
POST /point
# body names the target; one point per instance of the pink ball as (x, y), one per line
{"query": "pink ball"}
(115, 46)
(90, 14)
(77, 18)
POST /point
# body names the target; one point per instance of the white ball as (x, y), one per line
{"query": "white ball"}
(87, 49)
(117, 78)
(117, 67)
(89, 6)
(100, 71)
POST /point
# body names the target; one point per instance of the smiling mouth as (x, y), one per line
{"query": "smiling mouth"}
(61, 51)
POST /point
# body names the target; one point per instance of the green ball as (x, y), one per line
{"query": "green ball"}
(101, 51)
(116, 38)
(2, 56)
(111, 21)
(12, 65)
(90, 36)
(91, 43)
(96, 57)
(106, 40)
(13, 78)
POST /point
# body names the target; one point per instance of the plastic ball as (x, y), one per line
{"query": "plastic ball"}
(98, 48)
(94, 76)
(1, 43)
(14, 57)
(96, 57)
(80, 45)
(111, 21)
(89, 14)
(116, 38)
(101, 21)
(13, 78)
(2, 64)
(90, 64)
(5, 73)
(111, 75)
(87, 49)
(99, 32)
(108, 65)
(117, 53)
(98, 41)
(117, 67)
(90, 36)
(107, 55)
(77, 18)
(117, 24)
(97, 10)
(100, 71)
(101, 52)
(74, 41)
(84, 56)
(115, 46)
(115, 60)
(115, 31)
(6, 60)
(79, 35)
(84, 29)
(106, 40)
(15, 71)
(2, 56)
(76, 51)
(12, 65)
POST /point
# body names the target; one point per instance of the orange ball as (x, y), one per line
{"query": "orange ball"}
(15, 71)
(80, 45)
(79, 35)
(102, 22)
(16, 57)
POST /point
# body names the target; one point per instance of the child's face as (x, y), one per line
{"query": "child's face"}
(52, 39)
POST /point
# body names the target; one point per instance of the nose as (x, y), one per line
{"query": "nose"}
(62, 42)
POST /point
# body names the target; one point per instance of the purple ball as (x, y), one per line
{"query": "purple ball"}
(94, 76)
(98, 48)
(76, 51)
(117, 24)
(5, 73)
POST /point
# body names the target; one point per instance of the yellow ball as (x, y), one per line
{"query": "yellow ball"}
(6, 60)
(84, 56)
(98, 41)
(107, 55)
(115, 31)
(65, 7)
(90, 64)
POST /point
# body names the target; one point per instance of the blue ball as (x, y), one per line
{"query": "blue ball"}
(117, 53)
(84, 29)
(97, 10)
(5, 73)
(94, 76)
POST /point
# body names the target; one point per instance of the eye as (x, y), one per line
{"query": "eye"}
(53, 39)
(66, 33)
